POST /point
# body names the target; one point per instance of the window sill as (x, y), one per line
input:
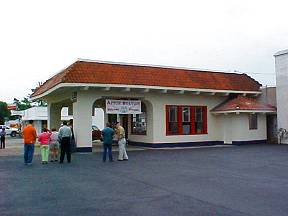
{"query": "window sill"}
(185, 134)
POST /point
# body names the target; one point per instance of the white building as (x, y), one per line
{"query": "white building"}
(268, 96)
(281, 68)
(39, 116)
(179, 107)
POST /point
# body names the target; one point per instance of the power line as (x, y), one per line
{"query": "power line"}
(263, 73)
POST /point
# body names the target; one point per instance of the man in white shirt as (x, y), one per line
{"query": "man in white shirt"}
(64, 135)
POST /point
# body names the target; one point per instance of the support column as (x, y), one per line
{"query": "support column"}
(70, 109)
(281, 68)
(54, 115)
(82, 122)
(105, 118)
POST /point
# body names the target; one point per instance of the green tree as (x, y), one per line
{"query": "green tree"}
(41, 103)
(23, 104)
(4, 112)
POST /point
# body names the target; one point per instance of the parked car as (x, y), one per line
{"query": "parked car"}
(96, 133)
(10, 131)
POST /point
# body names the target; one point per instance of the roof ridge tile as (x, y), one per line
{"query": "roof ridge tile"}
(104, 73)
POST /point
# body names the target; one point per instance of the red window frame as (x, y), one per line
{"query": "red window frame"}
(192, 120)
(168, 129)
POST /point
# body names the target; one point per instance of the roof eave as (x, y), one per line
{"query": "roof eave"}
(96, 85)
(242, 111)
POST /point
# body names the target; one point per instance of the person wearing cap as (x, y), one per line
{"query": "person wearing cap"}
(65, 135)
(120, 131)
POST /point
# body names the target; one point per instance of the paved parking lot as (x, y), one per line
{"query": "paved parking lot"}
(14, 146)
(246, 180)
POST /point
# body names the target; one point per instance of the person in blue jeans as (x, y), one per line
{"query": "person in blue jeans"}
(29, 135)
(2, 137)
(107, 136)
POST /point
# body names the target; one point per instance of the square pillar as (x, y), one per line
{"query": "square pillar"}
(54, 115)
(82, 122)
(281, 68)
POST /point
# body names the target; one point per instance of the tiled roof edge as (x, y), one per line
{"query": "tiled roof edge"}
(69, 68)
(252, 79)
(161, 66)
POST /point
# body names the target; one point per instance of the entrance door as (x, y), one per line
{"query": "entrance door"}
(272, 129)
(112, 118)
(124, 123)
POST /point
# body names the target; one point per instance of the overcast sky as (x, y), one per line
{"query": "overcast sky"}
(39, 38)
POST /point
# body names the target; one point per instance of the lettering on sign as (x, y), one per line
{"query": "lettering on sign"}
(123, 106)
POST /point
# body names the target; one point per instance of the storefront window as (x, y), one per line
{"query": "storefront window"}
(186, 120)
(139, 125)
(173, 123)
(139, 122)
(198, 120)
(186, 125)
(253, 122)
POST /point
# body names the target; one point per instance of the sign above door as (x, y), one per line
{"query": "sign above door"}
(123, 106)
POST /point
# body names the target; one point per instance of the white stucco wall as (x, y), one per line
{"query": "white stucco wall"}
(82, 111)
(38, 126)
(82, 118)
(160, 101)
(54, 115)
(98, 118)
(148, 138)
(220, 128)
(35, 113)
(281, 68)
(236, 128)
(41, 113)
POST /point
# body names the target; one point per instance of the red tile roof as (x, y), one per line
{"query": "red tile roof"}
(113, 73)
(241, 103)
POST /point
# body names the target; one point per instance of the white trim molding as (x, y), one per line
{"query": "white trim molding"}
(109, 87)
(242, 111)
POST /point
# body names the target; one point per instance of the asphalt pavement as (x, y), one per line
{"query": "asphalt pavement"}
(236, 181)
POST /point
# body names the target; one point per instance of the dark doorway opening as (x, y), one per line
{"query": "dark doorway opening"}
(112, 118)
(272, 136)
(124, 123)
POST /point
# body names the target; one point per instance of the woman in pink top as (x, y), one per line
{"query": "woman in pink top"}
(44, 139)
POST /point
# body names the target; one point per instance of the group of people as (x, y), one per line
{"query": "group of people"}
(110, 133)
(50, 142)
